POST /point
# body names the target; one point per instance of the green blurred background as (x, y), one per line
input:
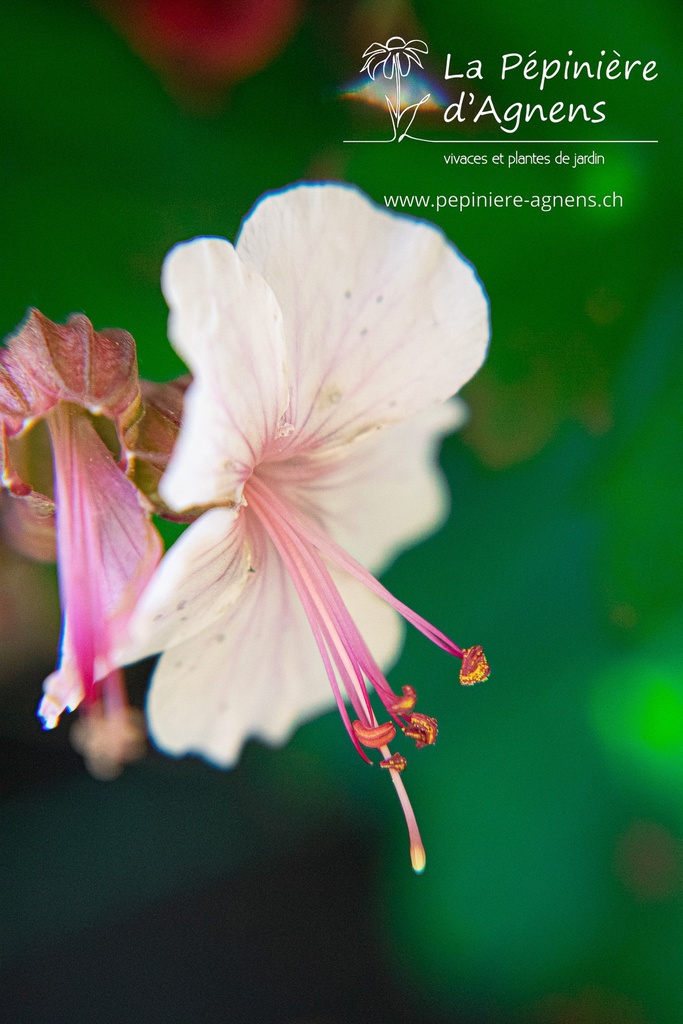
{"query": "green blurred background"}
(552, 805)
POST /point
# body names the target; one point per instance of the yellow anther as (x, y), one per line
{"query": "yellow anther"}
(405, 703)
(475, 667)
(422, 729)
(397, 762)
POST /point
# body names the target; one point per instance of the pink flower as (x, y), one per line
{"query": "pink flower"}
(205, 43)
(324, 348)
(106, 546)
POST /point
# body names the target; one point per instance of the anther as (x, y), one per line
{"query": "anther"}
(406, 703)
(421, 728)
(475, 667)
(397, 762)
(374, 736)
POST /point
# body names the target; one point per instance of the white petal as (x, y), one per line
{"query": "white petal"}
(258, 671)
(383, 317)
(227, 326)
(390, 492)
(379, 497)
(196, 583)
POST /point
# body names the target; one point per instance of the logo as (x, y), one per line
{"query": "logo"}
(388, 67)
(397, 82)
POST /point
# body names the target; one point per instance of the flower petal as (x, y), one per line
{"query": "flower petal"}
(62, 690)
(107, 550)
(383, 317)
(374, 48)
(45, 363)
(196, 583)
(375, 62)
(417, 44)
(386, 494)
(227, 326)
(257, 672)
(106, 543)
(414, 58)
(402, 61)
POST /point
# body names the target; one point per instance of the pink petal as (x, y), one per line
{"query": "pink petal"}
(107, 550)
(382, 315)
(62, 689)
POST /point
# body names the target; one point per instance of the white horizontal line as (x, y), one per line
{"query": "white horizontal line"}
(523, 142)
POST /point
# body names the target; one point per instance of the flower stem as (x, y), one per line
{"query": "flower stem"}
(397, 69)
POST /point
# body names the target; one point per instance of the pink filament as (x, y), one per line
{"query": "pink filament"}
(322, 615)
(347, 660)
(323, 606)
(318, 538)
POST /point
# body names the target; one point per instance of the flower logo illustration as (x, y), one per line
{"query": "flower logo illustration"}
(395, 59)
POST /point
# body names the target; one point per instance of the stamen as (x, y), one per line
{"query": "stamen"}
(347, 644)
(405, 703)
(396, 761)
(422, 729)
(374, 736)
(322, 625)
(475, 667)
(345, 561)
(304, 547)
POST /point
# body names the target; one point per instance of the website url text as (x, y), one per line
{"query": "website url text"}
(491, 200)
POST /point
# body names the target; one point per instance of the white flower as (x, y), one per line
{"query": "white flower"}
(324, 347)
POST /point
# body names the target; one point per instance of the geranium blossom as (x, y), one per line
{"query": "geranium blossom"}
(324, 348)
(106, 545)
